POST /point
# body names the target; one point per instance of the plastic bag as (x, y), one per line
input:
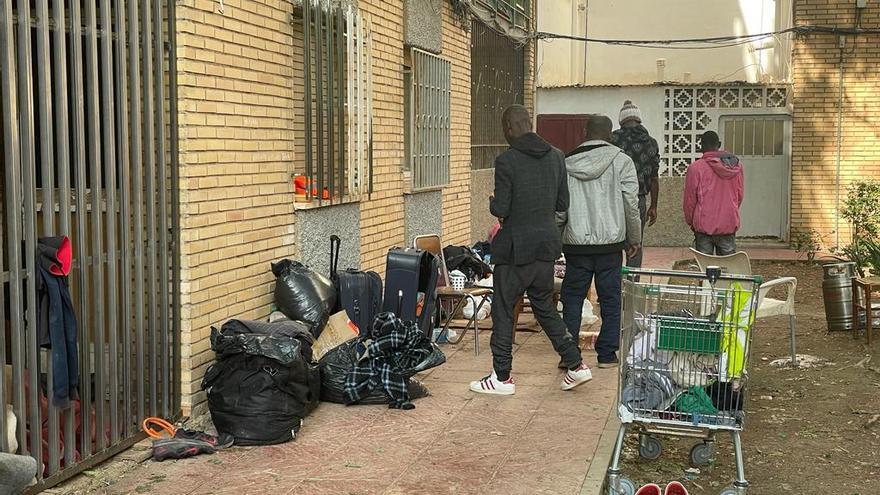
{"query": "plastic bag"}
(303, 295)
(264, 382)
(338, 362)
(587, 316)
(484, 312)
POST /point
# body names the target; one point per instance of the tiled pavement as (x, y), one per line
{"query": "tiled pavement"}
(541, 440)
(455, 442)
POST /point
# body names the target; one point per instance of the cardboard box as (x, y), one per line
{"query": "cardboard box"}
(339, 330)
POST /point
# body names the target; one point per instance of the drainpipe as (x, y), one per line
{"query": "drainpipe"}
(841, 45)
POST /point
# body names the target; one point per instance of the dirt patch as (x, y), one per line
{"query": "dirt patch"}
(811, 430)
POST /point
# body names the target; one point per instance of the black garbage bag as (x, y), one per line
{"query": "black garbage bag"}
(264, 381)
(303, 295)
(338, 363)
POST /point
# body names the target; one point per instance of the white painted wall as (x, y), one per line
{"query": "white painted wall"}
(560, 62)
(607, 101)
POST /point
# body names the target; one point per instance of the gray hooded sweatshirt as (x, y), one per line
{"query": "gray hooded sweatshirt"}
(603, 215)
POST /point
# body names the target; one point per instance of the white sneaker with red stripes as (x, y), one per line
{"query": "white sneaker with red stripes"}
(492, 385)
(575, 377)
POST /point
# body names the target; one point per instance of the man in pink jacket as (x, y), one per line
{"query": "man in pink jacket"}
(713, 192)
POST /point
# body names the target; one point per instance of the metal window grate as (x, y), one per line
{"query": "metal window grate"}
(90, 153)
(754, 135)
(517, 12)
(431, 97)
(333, 51)
(497, 81)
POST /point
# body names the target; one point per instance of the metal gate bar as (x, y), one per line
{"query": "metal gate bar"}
(102, 172)
(122, 147)
(13, 224)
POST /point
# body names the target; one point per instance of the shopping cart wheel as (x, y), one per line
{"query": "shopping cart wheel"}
(702, 454)
(649, 447)
(627, 487)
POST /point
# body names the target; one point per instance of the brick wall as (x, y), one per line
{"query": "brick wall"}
(238, 107)
(457, 197)
(236, 150)
(814, 137)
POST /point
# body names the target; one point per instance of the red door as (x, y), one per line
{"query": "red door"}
(565, 131)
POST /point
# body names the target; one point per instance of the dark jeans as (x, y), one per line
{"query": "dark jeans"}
(579, 273)
(719, 245)
(536, 279)
(636, 260)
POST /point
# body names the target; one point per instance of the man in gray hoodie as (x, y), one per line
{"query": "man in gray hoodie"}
(602, 222)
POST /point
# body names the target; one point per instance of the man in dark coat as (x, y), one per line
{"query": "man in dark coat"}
(634, 140)
(531, 186)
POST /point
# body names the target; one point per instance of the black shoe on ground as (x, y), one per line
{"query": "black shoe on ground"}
(220, 441)
(612, 363)
(180, 448)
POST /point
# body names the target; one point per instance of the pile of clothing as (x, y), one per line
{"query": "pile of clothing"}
(685, 385)
(392, 353)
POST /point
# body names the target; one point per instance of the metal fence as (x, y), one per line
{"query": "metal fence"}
(430, 128)
(497, 80)
(89, 137)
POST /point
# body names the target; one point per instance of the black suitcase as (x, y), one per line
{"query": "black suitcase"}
(358, 293)
(409, 272)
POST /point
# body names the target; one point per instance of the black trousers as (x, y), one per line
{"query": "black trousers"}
(511, 282)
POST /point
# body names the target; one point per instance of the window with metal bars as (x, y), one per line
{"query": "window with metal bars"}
(517, 12)
(497, 81)
(428, 95)
(332, 51)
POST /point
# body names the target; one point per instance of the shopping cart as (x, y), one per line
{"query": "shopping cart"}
(684, 345)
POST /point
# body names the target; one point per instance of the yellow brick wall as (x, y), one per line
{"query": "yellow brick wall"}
(236, 147)
(457, 197)
(814, 136)
(238, 100)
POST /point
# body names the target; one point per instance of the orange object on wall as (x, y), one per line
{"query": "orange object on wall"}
(301, 183)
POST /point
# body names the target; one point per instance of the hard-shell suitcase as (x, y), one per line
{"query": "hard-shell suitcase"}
(411, 286)
(358, 293)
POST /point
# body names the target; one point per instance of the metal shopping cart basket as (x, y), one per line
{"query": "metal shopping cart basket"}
(684, 344)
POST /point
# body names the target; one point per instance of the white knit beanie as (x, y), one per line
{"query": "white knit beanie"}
(629, 111)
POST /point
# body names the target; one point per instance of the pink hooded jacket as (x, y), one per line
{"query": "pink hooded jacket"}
(713, 192)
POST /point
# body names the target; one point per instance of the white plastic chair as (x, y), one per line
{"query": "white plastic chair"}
(740, 264)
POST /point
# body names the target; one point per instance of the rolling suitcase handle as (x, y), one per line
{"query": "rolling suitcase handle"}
(334, 255)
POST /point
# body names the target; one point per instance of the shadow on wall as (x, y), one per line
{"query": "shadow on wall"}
(482, 186)
(670, 229)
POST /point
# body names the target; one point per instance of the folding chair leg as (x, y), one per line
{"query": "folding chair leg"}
(791, 326)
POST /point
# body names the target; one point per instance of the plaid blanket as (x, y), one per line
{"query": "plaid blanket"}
(387, 360)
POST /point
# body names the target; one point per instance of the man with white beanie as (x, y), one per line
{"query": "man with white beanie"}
(634, 140)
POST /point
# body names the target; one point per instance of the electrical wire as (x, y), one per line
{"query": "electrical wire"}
(710, 42)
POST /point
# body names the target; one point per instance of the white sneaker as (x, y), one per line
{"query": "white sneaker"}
(492, 385)
(573, 378)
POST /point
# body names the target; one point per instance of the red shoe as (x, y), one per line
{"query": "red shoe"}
(649, 489)
(675, 488)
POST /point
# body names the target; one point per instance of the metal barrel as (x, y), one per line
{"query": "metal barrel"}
(837, 294)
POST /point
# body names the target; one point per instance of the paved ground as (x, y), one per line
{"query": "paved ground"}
(541, 440)
(455, 442)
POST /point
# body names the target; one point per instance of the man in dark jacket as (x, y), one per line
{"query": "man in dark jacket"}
(530, 187)
(634, 140)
